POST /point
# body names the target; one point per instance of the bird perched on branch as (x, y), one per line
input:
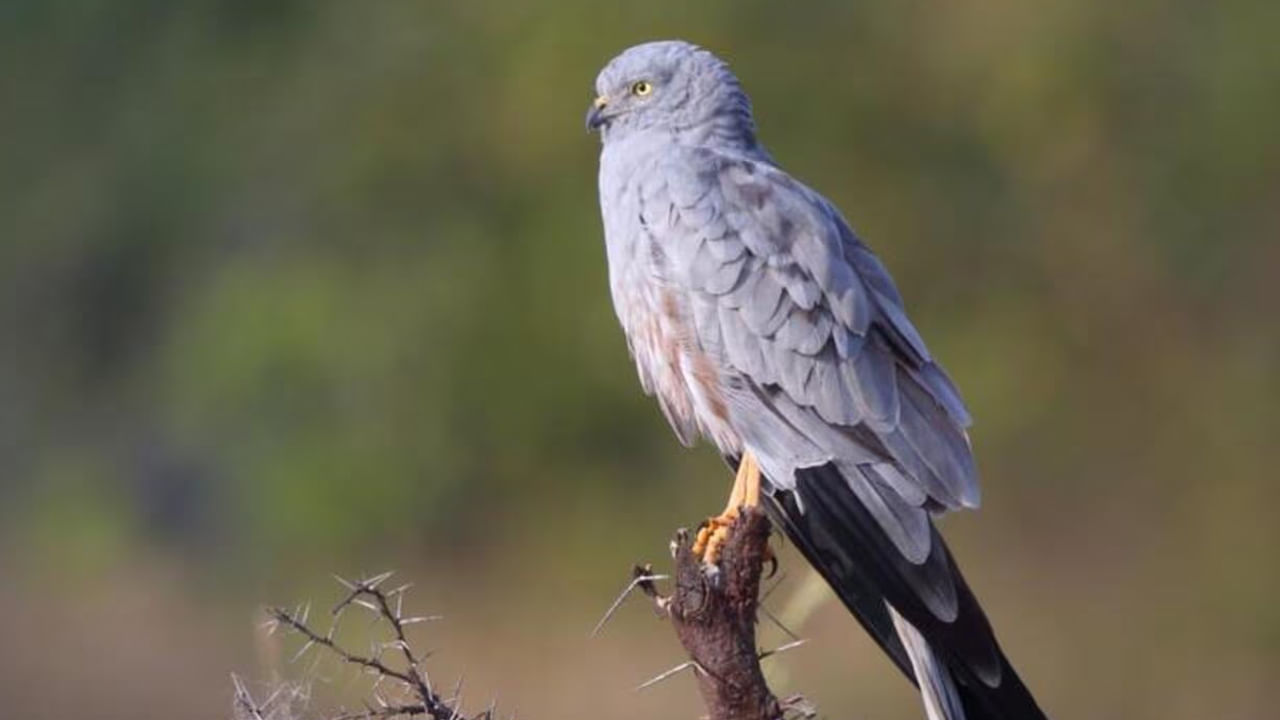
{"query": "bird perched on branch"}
(760, 321)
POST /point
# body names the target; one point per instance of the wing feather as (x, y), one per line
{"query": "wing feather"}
(803, 306)
(767, 307)
(872, 376)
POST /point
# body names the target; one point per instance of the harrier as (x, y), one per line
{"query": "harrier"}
(761, 322)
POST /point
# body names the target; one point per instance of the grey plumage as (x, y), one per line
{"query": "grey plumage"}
(758, 319)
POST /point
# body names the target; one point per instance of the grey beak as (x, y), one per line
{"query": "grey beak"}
(595, 114)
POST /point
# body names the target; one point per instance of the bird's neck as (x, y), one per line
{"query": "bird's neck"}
(731, 129)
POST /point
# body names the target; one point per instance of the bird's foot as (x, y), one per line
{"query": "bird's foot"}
(712, 535)
(745, 494)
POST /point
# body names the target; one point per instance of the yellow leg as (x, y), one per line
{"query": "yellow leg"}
(738, 494)
(750, 479)
(745, 493)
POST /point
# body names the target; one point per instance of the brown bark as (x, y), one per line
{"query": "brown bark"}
(713, 611)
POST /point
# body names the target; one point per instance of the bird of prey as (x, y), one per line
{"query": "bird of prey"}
(761, 322)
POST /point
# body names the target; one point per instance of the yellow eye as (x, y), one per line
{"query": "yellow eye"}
(641, 88)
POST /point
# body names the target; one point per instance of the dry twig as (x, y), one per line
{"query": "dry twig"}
(409, 677)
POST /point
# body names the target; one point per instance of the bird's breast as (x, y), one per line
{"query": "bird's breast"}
(654, 309)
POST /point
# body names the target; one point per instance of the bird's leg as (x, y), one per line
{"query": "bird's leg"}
(745, 493)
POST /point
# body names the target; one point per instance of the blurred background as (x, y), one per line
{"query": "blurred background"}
(299, 287)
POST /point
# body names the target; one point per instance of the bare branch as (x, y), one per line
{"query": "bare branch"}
(412, 680)
(714, 610)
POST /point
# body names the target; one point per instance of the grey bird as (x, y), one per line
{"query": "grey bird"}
(761, 322)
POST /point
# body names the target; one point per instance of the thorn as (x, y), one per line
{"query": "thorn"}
(242, 692)
(457, 689)
(272, 697)
(352, 590)
(313, 671)
(781, 649)
(421, 618)
(244, 700)
(668, 673)
(799, 705)
(457, 704)
(774, 619)
(776, 584)
(303, 651)
(373, 582)
(623, 596)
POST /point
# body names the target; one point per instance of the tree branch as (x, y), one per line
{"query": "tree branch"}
(713, 611)
(411, 679)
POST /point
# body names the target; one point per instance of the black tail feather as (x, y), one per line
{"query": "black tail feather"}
(841, 539)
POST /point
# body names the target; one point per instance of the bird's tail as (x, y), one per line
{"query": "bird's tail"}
(941, 697)
(956, 662)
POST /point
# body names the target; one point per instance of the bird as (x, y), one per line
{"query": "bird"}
(761, 322)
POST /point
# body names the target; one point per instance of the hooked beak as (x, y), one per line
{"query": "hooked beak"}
(595, 113)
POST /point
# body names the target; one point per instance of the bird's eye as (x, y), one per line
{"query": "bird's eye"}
(641, 88)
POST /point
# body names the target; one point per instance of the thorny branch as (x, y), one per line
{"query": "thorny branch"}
(421, 699)
(713, 610)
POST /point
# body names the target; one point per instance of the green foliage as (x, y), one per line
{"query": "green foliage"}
(287, 284)
(345, 258)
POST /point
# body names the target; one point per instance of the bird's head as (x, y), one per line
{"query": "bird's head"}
(674, 87)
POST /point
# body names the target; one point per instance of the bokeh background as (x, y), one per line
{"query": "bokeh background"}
(297, 287)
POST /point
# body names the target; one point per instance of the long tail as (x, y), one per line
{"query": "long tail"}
(941, 697)
(956, 662)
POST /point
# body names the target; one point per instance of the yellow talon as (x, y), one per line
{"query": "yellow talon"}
(711, 537)
(745, 493)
